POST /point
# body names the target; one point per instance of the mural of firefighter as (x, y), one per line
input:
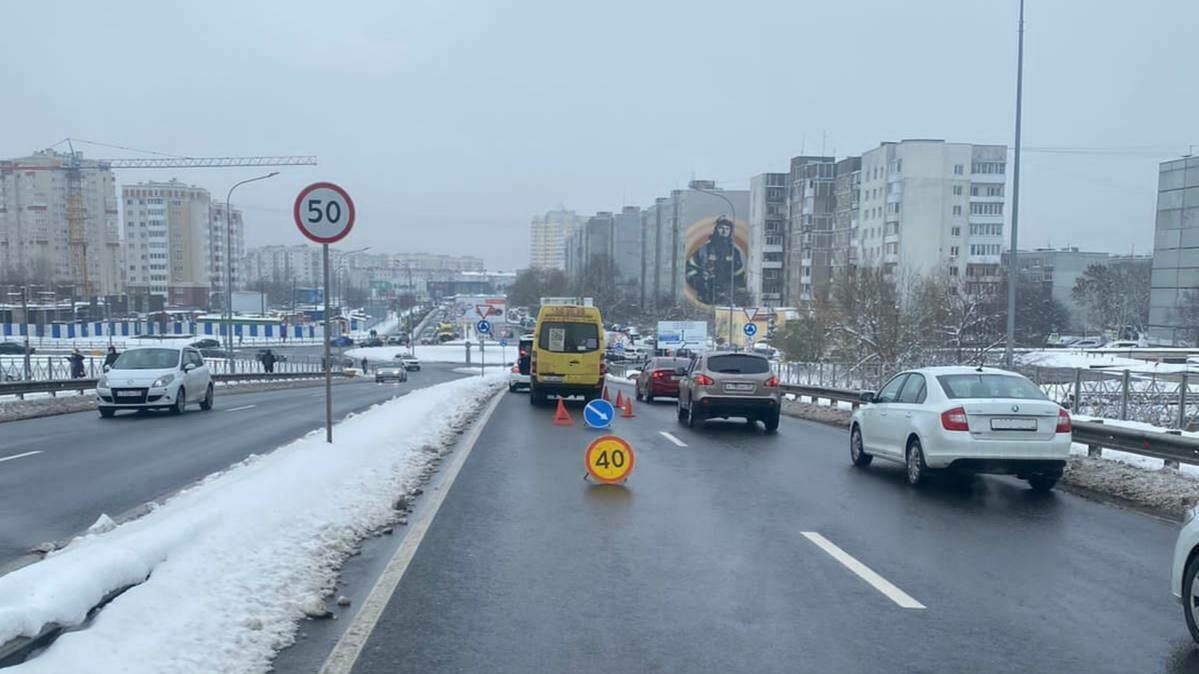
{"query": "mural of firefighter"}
(715, 253)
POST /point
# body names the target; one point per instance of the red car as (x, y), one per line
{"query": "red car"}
(659, 377)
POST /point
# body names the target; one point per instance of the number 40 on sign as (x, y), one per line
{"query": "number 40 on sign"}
(608, 459)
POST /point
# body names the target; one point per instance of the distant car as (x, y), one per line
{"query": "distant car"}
(1122, 344)
(409, 361)
(397, 340)
(1184, 573)
(146, 377)
(1087, 343)
(206, 343)
(729, 384)
(518, 375)
(391, 373)
(14, 348)
(659, 377)
(982, 420)
(373, 341)
(341, 340)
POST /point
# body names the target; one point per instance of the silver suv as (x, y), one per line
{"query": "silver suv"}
(729, 384)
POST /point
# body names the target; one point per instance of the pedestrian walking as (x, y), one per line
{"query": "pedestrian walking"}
(76, 360)
(364, 365)
(268, 361)
(110, 357)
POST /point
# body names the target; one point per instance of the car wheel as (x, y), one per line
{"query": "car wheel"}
(771, 421)
(857, 450)
(682, 413)
(511, 388)
(649, 396)
(206, 403)
(107, 412)
(692, 421)
(917, 468)
(180, 401)
(637, 392)
(534, 396)
(1042, 483)
(1190, 597)
(378, 380)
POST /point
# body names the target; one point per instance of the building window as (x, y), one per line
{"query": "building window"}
(974, 190)
(955, 231)
(995, 190)
(953, 271)
(958, 169)
(957, 210)
(953, 251)
(957, 190)
(988, 167)
(986, 208)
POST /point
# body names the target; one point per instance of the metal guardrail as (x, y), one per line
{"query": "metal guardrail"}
(21, 389)
(1170, 446)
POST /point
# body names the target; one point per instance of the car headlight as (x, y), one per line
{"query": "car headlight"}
(1190, 514)
(163, 380)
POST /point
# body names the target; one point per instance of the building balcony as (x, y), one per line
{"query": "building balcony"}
(991, 178)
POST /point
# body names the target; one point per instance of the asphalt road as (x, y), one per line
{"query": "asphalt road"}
(68, 469)
(715, 557)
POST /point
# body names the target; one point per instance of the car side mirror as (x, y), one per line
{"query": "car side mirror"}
(189, 367)
(107, 368)
(866, 396)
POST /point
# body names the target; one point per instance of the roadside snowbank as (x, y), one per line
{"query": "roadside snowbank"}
(1067, 359)
(234, 562)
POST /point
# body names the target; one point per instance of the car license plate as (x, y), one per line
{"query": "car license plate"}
(129, 394)
(1013, 424)
(552, 378)
(739, 388)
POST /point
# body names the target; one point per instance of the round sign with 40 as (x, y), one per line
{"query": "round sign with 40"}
(608, 459)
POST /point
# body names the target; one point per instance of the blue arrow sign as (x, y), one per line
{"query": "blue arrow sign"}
(503, 342)
(598, 413)
(750, 329)
(619, 347)
(483, 326)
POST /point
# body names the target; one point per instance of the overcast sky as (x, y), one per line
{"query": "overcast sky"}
(451, 123)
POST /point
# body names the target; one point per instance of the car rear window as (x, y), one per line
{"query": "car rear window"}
(989, 386)
(737, 363)
(568, 337)
(670, 363)
(147, 359)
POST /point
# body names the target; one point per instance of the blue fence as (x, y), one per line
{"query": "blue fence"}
(135, 328)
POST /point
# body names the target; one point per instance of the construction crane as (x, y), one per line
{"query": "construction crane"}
(73, 167)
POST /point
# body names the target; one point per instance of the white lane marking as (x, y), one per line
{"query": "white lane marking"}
(18, 456)
(238, 409)
(903, 599)
(673, 439)
(350, 645)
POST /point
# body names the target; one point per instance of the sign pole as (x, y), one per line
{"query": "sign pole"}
(328, 356)
(481, 359)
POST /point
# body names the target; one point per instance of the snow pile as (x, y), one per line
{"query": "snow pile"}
(629, 378)
(234, 562)
(1060, 358)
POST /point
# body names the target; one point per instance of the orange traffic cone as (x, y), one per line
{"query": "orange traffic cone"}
(604, 395)
(619, 400)
(562, 417)
(628, 408)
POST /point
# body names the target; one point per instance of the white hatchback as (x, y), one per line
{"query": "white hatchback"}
(1184, 575)
(149, 377)
(981, 420)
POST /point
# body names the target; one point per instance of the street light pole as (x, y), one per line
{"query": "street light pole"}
(229, 266)
(732, 254)
(1012, 273)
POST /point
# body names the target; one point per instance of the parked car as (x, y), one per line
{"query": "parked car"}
(518, 375)
(373, 341)
(1087, 343)
(409, 361)
(341, 341)
(397, 340)
(1184, 583)
(17, 348)
(981, 420)
(395, 373)
(145, 377)
(729, 384)
(206, 343)
(659, 377)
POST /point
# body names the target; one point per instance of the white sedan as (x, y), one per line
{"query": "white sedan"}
(1184, 576)
(981, 420)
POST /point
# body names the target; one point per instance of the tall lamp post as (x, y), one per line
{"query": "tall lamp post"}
(733, 255)
(229, 266)
(1012, 272)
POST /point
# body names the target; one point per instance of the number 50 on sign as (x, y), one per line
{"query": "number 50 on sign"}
(608, 459)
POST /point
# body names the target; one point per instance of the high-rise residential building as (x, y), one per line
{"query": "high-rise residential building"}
(928, 206)
(547, 236)
(217, 256)
(809, 239)
(1174, 294)
(847, 192)
(299, 263)
(626, 251)
(35, 214)
(767, 229)
(167, 238)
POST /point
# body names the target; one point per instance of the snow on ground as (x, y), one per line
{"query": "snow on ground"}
(629, 378)
(437, 353)
(1069, 359)
(234, 561)
(474, 369)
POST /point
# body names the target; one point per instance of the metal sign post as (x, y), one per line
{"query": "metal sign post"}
(324, 213)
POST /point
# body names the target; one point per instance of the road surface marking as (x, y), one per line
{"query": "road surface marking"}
(350, 645)
(903, 599)
(673, 439)
(243, 407)
(18, 456)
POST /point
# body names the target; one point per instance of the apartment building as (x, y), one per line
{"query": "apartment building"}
(168, 231)
(809, 239)
(1174, 294)
(35, 244)
(547, 236)
(767, 229)
(217, 256)
(847, 193)
(1056, 270)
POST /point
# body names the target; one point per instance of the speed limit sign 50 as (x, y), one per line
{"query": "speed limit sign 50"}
(324, 212)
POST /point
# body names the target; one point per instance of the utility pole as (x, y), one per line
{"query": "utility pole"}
(1013, 269)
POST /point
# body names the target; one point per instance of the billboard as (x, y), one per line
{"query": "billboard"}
(676, 334)
(308, 295)
(715, 248)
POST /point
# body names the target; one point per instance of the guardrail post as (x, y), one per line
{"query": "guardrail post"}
(820, 374)
(1095, 451)
(1172, 463)
(1077, 391)
(834, 375)
(1182, 401)
(1124, 397)
(49, 367)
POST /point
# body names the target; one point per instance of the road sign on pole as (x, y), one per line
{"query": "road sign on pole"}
(750, 312)
(324, 213)
(483, 310)
(483, 327)
(750, 329)
(608, 459)
(599, 413)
